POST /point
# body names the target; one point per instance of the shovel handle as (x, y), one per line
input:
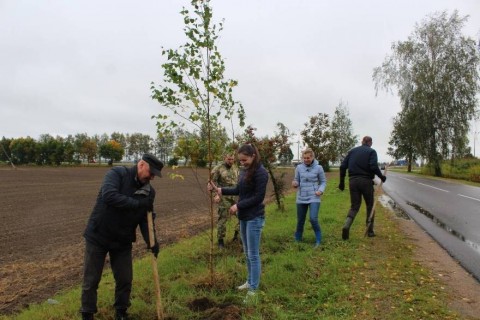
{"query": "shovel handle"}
(151, 239)
(372, 213)
(151, 234)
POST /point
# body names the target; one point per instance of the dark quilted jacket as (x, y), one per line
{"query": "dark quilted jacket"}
(250, 194)
(116, 213)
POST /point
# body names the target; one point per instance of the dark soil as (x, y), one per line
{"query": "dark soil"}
(43, 213)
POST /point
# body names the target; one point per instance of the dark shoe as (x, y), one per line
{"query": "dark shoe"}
(221, 244)
(370, 223)
(346, 228)
(121, 315)
(87, 316)
(235, 236)
(298, 236)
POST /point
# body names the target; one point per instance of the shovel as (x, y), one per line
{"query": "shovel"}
(372, 212)
(151, 236)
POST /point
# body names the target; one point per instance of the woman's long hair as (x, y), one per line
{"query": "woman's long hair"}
(250, 150)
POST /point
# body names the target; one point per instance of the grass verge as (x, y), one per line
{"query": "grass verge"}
(363, 278)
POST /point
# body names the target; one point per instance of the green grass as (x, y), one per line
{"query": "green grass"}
(363, 278)
(467, 170)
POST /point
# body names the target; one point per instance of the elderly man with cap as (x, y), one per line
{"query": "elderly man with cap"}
(122, 204)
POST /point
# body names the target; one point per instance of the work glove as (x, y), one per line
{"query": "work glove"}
(155, 249)
(341, 185)
(383, 178)
(146, 203)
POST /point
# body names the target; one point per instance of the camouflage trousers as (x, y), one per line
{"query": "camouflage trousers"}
(224, 216)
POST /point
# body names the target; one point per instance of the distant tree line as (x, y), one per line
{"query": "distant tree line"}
(75, 149)
(330, 140)
(190, 147)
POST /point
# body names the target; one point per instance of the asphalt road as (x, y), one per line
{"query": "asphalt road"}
(448, 211)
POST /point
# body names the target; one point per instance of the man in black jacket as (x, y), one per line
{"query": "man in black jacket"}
(362, 165)
(122, 204)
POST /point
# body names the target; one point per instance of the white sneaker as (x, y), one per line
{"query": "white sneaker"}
(251, 298)
(244, 286)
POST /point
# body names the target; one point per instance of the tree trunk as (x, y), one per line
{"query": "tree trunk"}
(438, 169)
(277, 190)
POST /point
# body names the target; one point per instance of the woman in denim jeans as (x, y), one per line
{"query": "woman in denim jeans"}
(251, 189)
(311, 182)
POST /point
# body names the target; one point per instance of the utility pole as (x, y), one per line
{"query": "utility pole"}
(477, 117)
(475, 134)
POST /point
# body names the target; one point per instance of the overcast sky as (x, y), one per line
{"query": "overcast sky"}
(69, 67)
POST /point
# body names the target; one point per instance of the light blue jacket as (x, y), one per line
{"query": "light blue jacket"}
(310, 179)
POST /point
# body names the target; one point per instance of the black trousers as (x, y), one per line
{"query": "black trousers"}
(360, 187)
(121, 263)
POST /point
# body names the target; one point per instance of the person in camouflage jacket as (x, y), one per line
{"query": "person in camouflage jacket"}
(225, 175)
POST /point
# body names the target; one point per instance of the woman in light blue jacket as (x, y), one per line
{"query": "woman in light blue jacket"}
(311, 182)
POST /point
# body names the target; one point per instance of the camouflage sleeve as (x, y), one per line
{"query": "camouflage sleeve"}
(215, 175)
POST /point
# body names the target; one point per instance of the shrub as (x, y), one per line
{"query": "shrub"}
(201, 163)
(463, 169)
(173, 162)
(475, 173)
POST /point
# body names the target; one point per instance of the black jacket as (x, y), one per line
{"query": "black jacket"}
(361, 162)
(250, 194)
(116, 213)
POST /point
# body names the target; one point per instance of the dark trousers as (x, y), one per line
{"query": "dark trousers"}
(121, 263)
(360, 187)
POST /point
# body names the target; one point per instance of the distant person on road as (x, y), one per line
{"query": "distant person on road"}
(122, 204)
(251, 189)
(310, 182)
(225, 175)
(362, 165)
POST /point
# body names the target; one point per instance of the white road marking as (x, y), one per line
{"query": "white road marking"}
(407, 179)
(426, 185)
(461, 195)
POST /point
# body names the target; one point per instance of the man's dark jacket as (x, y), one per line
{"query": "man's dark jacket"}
(361, 162)
(117, 214)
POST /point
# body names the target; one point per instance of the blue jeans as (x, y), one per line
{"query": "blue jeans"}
(302, 209)
(251, 232)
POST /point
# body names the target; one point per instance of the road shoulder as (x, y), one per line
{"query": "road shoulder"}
(464, 289)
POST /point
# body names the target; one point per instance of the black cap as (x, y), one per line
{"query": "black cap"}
(155, 164)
